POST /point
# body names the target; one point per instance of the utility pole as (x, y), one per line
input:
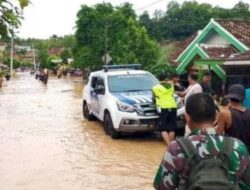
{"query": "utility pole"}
(11, 54)
(34, 58)
(105, 44)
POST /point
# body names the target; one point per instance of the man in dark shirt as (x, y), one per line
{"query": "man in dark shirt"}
(235, 120)
(177, 85)
(206, 83)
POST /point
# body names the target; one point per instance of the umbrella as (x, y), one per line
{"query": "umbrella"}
(56, 60)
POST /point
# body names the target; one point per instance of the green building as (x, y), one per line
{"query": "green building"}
(223, 47)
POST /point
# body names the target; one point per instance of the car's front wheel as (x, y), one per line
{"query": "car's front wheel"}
(109, 127)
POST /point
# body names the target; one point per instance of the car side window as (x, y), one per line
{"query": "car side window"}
(100, 84)
(94, 81)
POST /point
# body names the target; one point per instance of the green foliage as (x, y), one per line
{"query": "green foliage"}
(49, 64)
(65, 54)
(163, 64)
(179, 19)
(144, 20)
(42, 48)
(16, 63)
(104, 28)
(26, 64)
(11, 14)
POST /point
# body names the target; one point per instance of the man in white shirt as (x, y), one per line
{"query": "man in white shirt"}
(193, 88)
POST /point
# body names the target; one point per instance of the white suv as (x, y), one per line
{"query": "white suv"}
(121, 98)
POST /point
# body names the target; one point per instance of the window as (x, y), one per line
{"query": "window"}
(98, 83)
(131, 82)
(94, 82)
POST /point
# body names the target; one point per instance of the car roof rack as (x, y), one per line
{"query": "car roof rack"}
(118, 67)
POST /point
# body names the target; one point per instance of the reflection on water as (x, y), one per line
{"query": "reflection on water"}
(45, 144)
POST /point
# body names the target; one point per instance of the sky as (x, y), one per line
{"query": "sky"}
(44, 18)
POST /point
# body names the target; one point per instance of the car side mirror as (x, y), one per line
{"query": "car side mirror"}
(99, 90)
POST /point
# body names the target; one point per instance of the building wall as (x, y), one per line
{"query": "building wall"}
(237, 74)
(216, 40)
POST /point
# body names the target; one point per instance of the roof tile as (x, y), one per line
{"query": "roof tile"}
(219, 52)
(182, 46)
(238, 28)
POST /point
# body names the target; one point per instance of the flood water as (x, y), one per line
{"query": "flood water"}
(45, 144)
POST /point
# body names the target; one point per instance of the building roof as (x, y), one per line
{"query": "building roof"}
(235, 33)
(219, 52)
(29, 54)
(55, 51)
(182, 46)
(240, 56)
(238, 28)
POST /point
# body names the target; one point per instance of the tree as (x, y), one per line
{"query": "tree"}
(65, 54)
(241, 5)
(42, 51)
(10, 15)
(241, 11)
(154, 26)
(104, 28)
(144, 20)
(163, 64)
(187, 19)
(16, 63)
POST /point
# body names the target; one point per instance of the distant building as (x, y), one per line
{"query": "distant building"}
(3, 46)
(22, 47)
(223, 46)
(55, 51)
(30, 56)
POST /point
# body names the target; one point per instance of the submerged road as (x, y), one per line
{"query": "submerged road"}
(45, 144)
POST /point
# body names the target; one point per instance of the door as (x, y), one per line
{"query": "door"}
(97, 96)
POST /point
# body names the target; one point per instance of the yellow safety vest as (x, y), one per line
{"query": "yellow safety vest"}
(164, 96)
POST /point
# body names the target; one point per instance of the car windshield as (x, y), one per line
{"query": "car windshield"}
(131, 82)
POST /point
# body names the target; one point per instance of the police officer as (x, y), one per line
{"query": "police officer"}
(163, 96)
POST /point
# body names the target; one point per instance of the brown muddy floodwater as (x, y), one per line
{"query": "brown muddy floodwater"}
(45, 144)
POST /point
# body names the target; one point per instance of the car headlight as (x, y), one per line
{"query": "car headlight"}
(125, 107)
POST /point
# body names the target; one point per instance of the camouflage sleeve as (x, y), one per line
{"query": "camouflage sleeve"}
(245, 182)
(243, 172)
(168, 174)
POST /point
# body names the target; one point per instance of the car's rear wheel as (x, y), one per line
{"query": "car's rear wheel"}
(109, 127)
(86, 113)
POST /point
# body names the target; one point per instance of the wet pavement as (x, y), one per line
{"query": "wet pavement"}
(45, 144)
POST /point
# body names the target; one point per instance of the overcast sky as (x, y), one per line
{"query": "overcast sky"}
(43, 18)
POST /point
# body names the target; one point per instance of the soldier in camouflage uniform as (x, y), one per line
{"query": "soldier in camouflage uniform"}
(200, 114)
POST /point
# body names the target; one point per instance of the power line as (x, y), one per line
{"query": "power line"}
(149, 5)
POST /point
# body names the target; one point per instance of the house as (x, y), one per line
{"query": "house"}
(30, 56)
(223, 47)
(55, 51)
(25, 48)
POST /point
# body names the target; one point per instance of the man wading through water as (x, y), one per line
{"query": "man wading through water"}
(204, 159)
(163, 96)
